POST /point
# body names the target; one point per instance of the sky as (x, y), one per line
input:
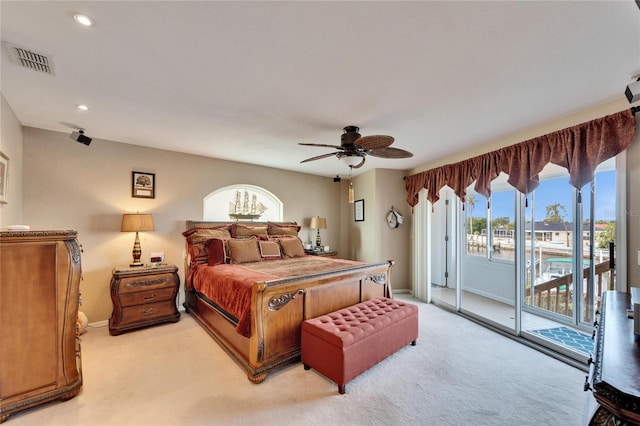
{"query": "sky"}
(554, 191)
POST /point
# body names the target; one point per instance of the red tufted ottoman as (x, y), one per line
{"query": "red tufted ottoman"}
(345, 343)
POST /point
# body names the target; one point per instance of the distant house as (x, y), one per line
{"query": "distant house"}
(560, 232)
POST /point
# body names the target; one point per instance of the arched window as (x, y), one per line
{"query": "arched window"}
(242, 202)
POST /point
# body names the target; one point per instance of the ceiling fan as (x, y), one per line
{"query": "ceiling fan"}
(354, 148)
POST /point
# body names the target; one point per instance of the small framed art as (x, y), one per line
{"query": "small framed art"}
(4, 177)
(143, 185)
(358, 210)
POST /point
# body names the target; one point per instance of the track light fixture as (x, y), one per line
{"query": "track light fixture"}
(633, 92)
(79, 136)
(337, 178)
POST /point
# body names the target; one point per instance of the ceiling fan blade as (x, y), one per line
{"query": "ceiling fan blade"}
(359, 165)
(390, 153)
(322, 144)
(319, 157)
(375, 141)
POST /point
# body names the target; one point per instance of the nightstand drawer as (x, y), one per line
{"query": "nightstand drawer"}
(149, 296)
(146, 282)
(149, 312)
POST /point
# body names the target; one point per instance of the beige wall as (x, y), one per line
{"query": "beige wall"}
(11, 146)
(373, 240)
(633, 169)
(87, 188)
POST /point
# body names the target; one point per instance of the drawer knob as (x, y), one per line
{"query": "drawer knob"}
(148, 311)
(147, 298)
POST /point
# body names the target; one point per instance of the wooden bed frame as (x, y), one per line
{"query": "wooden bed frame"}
(278, 308)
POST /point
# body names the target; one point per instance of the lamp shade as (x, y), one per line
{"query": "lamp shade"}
(318, 223)
(135, 222)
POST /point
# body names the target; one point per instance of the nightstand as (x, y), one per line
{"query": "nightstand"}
(332, 254)
(143, 296)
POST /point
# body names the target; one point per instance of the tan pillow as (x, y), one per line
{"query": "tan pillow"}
(242, 231)
(244, 250)
(292, 247)
(270, 250)
(197, 235)
(275, 229)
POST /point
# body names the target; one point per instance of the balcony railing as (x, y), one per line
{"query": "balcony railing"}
(555, 295)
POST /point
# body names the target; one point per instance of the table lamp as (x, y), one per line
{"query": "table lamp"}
(318, 223)
(136, 222)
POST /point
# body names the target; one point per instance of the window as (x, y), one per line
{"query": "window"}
(242, 202)
(491, 224)
(476, 224)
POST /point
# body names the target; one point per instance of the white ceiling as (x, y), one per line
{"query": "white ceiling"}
(248, 81)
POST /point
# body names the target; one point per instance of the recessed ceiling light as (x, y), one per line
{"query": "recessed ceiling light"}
(83, 20)
(83, 107)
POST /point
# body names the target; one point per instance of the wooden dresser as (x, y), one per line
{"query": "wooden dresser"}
(614, 376)
(39, 298)
(143, 296)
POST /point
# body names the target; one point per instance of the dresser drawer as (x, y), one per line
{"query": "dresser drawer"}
(147, 312)
(149, 296)
(146, 282)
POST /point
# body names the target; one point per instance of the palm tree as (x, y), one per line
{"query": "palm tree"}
(471, 203)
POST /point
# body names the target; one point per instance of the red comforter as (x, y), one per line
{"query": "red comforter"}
(229, 285)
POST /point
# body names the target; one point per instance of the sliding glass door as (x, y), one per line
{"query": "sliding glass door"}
(550, 247)
(527, 264)
(488, 255)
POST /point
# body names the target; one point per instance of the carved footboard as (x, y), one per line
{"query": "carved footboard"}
(278, 309)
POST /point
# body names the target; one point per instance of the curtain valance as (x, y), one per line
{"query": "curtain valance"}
(579, 149)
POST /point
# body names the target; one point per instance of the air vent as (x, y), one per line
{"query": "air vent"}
(30, 59)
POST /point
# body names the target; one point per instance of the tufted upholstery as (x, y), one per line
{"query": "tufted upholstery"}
(343, 344)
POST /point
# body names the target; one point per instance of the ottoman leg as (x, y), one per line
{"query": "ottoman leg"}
(306, 367)
(341, 389)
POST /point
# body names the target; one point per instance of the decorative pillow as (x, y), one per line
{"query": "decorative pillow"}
(196, 239)
(292, 247)
(279, 229)
(279, 237)
(244, 250)
(270, 250)
(217, 254)
(239, 230)
(208, 232)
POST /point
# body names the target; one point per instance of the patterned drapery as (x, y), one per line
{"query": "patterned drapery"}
(579, 149)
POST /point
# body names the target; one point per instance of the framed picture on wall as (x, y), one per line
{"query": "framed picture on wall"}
(4, 177)
(358, 210)
(143, 185)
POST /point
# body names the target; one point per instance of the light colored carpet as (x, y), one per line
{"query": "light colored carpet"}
(459, 373)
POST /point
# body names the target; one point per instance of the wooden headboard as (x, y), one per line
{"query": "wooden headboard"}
(208, 224)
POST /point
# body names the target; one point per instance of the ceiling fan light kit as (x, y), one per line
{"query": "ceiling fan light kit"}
(351, 160)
